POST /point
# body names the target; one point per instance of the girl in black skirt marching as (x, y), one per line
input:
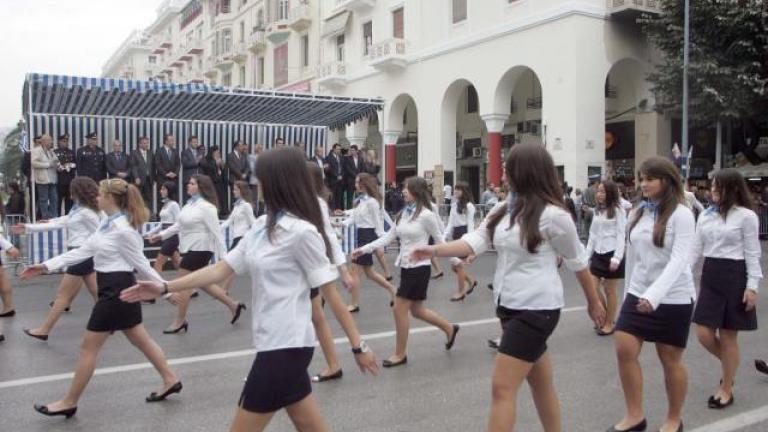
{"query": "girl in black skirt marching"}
(727, 237)
(240, 218)
(659, 293)
(606, 248)
(461, 221)
(117, 250)
(169, 214)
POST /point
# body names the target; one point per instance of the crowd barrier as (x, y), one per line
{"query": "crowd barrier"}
(763, 215)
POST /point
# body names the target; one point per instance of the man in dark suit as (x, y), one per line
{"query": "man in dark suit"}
(66, 172)
(140, 166)
(167, 163)
(319, 159)
(334, 176)
(352, 165)
(90, 159)
(117, 162)
(190, 160)
(237, 164)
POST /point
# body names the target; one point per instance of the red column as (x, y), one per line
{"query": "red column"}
(389, 154)
(494, 158)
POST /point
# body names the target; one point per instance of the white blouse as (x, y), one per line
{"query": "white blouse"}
(366, 214)
(412, 233)
(5, 244)
(282, 271)
(735, 238)
(198, 228)
(115, 247)
(524, 280)
(662, 275)
(80, 223)
(241, 218)
(455, 219)
(338, 254)
(606, 235)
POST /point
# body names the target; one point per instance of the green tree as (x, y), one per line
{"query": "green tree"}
(11, 156)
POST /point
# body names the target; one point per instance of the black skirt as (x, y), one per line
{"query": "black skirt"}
(110, 313)
(669, 324)
(235, 241)
(458, 232)
(600, 266)
(170, 246)
(277, 379)
(81, 269)
(414, 282)
(314, 292)
(195, 260)
(525, 332)
(365, 236)
(720, 306)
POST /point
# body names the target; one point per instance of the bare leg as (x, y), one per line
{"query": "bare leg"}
(730, 357)
(508, 374)
(402, 324)
(228, 284)
(383, 262)
(461, 281)
(419, 311)
(676, 382)
(182, 307)
(355, 290)
(611, 302)
(6, 292)
(160, 261)
(379, 279)
(216, 292)
(68, 289)
(708, 339)
(246, 421)
(544, 395)
(139, 337)
(176, 260)
(436, 265)
(305, 415)
(90, 283)
(628, 349)
(325, 338)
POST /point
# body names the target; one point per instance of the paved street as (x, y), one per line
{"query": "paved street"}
(436, 391)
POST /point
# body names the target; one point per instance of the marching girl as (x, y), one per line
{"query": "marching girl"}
(605, 248)
(82, 221)
(5, 285)
(240, 218)
(286, 254)
(169, 214)
(117, 251)
(659, 293)
(461, 221)
(366, 215)
(727, 237)
(200, 237)
(413, 227)
(528, 233)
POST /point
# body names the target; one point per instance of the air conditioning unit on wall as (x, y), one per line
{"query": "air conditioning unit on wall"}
(477, 152)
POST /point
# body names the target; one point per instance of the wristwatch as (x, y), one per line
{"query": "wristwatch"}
(165, 289)
(363, 348)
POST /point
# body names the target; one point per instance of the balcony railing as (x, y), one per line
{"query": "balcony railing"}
(355, 5)
(278, 31)
(633, 8)
(300, 17)
(389, 54)
(194, 46)
(240, 52)
(257, 41)
(332, 74)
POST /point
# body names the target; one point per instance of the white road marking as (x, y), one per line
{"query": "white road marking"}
(737, 422)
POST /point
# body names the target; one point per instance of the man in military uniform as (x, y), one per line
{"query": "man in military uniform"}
(66, 172)
(90, 159)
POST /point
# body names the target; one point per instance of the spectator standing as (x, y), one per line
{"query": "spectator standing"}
(90, 159)
(65, 173)
(44, 171)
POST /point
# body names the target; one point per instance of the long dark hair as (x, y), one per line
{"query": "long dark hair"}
(672, 194)
(171, 188)
(85, 191)
(466, 196)
(733, 191)
(206, 189)
(419, 190)
(317, 179)
(611, 198)
(245, 191)
(370, 186)
(531, 174)
(287, 186)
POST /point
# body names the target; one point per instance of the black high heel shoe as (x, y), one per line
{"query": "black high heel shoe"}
(29, 333)
(438, 276)
(640, 427)
(323, 378)
(43, 409)
(154, 397)
(390, 364)
(184, 327)
(2, 338)
(761, 366)
(449, 344)
(8, 314)
(472, 288)
(240, 307)
(459, 298)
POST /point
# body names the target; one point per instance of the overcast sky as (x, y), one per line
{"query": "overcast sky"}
(67, 37)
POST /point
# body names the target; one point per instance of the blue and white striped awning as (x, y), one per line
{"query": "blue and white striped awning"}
(68, 95)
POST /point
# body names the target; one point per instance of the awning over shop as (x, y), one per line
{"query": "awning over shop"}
(335, 25)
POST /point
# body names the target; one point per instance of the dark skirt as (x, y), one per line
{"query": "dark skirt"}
(170, 246)
(669, 324)
(110, 313)
(81, 269)
(458, 232)
(277, 379)
(720, 305)
(414, 282)
(235, 241)
(314, 292)
(600, 266)
(525, 332)
(365, 236)
(195, 260)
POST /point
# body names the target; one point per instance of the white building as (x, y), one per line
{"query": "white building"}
(463, 80)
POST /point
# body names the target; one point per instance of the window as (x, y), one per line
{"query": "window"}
(242, 76)
(260, 19)
(367, 38)
(214, 47)
(398, 24)
(281, 65)
(226, 41)
(340, 48)
(459, 11)
(261, 70)
(242, 31)
(152, 60)
(282, 10)
(471, 99)
(305, 51)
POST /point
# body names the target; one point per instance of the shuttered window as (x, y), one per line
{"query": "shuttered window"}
(398, 24)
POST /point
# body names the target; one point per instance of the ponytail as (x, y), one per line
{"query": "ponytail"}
(135, 209)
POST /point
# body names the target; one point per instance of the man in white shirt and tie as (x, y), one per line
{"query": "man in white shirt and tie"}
(140, 166)
(117, 162)
(44, 169)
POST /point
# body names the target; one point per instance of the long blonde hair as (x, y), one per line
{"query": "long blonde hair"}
(128, 199)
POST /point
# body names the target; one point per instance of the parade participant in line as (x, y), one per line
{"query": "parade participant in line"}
(117, 251)
(413, 227)
(528, 233)
(727, 237)
(367, 218)
(81, 222)
(6, 291)
(461, 221)
(605, 248)
(286, 253)
(240, 219)
(433, 261)
(659, 293)
(169, 215)
(199, 238)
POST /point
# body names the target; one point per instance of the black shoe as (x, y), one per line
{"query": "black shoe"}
(43, 409)
(490, 286)
(323, 378)
(438, 276)
(472, 288)
(154, 397)
(354, 309)
(195, 295)
(240, 307)
(389, 364)
(2, 338)
(643, 425)
(493, 343)
(29, 333)
(184, 327)
(8, 314)
(449, 344)
(761, 366)
(459, 298)
(716, 403)
(601, 332)
(66, 309)
(389, 279)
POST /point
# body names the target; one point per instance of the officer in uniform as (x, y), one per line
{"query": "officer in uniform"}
(90, 159)
(65, 172)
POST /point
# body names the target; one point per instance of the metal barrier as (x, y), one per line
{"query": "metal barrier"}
(11, 220)
(762, 213)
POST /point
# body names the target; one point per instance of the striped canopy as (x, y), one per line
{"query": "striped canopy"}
(81, 96)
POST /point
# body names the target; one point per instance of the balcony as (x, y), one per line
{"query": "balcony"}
(240, 52)
(195, 46)
(278, 31)
(332, 74)
(224, 61)
(631, 10)
(210, 68)
(356, 5)
(300, 17)
(389, 55)
(257, 41)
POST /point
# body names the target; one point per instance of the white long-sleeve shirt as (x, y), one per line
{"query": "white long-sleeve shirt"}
(606, 235)
(736, 238)
(169, 214)
(80, 223)
(241, 218)
(524, 280)
(5, 244)
(367, 214)
(412, 232)
(338, 254)
(662, 275)
(456, 220)
(198, 228)
(115, 247)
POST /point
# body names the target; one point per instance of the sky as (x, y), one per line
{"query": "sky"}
(66, 37)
